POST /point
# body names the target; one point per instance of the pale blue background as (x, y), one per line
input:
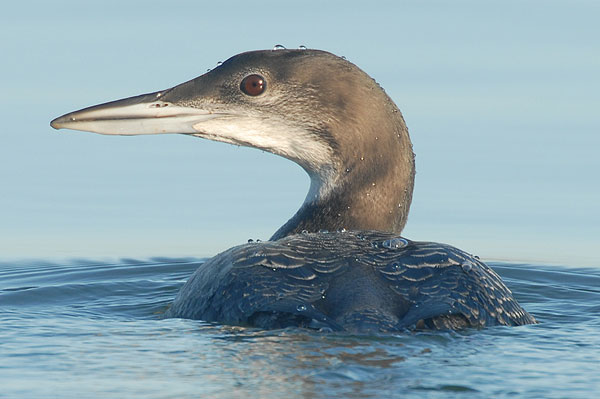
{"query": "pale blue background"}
(501, 99)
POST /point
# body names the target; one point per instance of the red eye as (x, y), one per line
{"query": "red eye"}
(253, 85)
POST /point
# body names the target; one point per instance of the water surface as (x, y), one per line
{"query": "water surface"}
(93, 329)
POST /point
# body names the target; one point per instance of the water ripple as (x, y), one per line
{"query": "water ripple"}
(91, 328)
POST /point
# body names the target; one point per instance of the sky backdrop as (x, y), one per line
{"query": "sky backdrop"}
(502, 101)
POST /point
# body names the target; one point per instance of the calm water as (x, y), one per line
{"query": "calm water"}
(93, 329)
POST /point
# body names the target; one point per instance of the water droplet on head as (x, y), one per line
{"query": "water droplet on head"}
(278, 47)
(342, 230)
(301, 308)
(343, 57)
(395, 243)
(250, 240)
(302, 47)
(323, 231)
(348, 170)
(219, 63)
(396, 266)
(362, 158)
(304, 231)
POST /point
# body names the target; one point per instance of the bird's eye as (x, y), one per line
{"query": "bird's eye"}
(253, 85)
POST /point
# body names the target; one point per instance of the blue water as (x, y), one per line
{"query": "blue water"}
(93, 329)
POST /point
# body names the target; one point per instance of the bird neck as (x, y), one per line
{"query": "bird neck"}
(368, 186)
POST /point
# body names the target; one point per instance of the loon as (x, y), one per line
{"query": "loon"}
(339, 264)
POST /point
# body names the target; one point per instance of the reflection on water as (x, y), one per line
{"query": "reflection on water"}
(94, 329)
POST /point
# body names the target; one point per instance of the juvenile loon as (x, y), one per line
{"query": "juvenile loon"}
(339, 263)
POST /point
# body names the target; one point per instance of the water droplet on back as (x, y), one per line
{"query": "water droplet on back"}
(301, 308)
(395, 243)
(467, 266)
(219, 63)
(278, 47)
(302, 47)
